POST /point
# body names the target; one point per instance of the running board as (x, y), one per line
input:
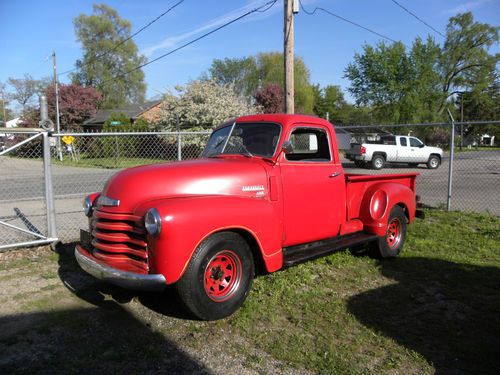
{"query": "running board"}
(312, 250)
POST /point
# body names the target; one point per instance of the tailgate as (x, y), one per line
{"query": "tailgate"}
(358, 184)
(354, 150)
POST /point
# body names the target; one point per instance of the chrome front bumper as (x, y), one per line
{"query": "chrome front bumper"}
(128, 280)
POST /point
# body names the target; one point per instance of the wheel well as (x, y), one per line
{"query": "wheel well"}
(383, 154)
(439, 156)
(405, 209)
(260, 267)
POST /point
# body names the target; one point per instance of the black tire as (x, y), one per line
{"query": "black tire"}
(390, 245)
(433, 162)
(378, 162)
(227, 258)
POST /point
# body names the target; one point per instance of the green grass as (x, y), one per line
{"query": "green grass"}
(27, 262)
(434, 308)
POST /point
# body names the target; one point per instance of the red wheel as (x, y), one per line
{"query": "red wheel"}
(394, 233)
(390, 245)
(222, 276)
(218, 277)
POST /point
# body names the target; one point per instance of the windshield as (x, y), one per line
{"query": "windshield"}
(251, 139)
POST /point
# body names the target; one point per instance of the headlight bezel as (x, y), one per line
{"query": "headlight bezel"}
(153, 222)
(88, 206)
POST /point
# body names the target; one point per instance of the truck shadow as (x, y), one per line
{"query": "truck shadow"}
(102, 340)
(97, 292)
(448, 312)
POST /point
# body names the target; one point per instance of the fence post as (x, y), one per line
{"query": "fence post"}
(49, 191)
(117, 151)
(179, 144)
(47, 172)
(452, 156)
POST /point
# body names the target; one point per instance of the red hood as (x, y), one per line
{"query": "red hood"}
(215, 176)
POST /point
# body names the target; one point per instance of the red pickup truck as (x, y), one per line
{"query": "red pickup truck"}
(269, 192)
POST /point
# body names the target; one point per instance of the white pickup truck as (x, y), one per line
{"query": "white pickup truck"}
(394, 149)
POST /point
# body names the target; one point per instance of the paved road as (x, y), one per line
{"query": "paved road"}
(476, 185)
(476, 181)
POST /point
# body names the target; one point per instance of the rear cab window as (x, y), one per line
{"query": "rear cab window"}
(310, 144)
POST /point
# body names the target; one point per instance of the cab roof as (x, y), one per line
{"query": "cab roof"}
(282, 118)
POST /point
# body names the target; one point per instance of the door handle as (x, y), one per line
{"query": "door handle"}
(334, 174)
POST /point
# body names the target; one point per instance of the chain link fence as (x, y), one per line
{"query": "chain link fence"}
(88, 160)
(23, 199)
(470, 183)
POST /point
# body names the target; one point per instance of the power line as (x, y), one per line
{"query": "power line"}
(265, 6)
(310, 13)
(417, 17)
(127, 39)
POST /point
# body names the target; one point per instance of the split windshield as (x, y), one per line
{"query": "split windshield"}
(250, 139)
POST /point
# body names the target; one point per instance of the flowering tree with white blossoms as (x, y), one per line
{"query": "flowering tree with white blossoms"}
(202, 105)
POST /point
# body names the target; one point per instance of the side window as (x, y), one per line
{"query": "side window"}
(309, 144)
(403, 141)
(388, 140)
(414, 142)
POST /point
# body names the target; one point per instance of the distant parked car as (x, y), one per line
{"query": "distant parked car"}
(394, 149)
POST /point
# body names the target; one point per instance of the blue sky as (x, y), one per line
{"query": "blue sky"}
(30, 30)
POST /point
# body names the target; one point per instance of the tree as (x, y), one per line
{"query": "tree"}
(76, 104)
(5, 113)
(465, 62)
(250, 74)
(201, 105)
(271, 99)
(25, 89)
(329, 99)
(109, 57)
(416, 85)
(482, 103)
(400, 86)
(236, 72)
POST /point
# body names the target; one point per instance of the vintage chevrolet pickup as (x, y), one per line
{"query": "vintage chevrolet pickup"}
(268, 192)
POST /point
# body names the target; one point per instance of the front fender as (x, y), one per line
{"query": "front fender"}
(186, 222)
(378, 202)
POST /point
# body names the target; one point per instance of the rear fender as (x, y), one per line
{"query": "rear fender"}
(378, 202)
(186, 222)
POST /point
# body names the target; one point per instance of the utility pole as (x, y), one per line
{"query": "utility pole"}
(2, 87)
(291, 7)
(3, 107)
(58, 128)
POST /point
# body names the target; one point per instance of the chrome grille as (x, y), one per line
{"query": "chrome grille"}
(120, 241)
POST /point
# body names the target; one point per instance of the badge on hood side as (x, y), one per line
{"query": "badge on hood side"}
(252, 188)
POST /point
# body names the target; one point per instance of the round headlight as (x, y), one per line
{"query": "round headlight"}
(152, 222)
(87, 207)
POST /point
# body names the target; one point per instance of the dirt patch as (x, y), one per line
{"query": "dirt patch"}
(54, 318)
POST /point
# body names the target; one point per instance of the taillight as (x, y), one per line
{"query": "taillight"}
(363, 150)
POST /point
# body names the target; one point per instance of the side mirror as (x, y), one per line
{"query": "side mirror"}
(287, 147)
(422, 145)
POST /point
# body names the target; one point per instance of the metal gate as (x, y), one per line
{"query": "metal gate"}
(27, 215)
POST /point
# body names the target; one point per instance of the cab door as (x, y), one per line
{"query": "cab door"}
(404, 154)
(313, 186)
(419, 154)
